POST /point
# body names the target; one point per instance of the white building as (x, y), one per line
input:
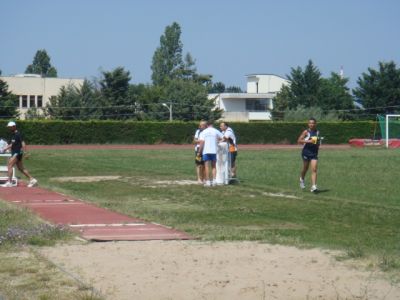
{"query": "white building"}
(254, 105)
(36, 91)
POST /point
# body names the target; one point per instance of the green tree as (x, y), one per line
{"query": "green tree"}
(189, 101)
(167, 59)
(41, 65)
(304, 86)
(90, 99)
(334, 93)
(75, 103)
(147, 101)
(8, 102)
(308, 89)
(233, 89)
(66, 105)
(217, 88)
(114, 88)
(302, 114)
(379, 90)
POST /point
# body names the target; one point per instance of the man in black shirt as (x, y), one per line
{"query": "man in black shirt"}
(18, 147)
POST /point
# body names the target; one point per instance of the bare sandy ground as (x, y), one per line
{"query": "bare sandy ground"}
(220, 270)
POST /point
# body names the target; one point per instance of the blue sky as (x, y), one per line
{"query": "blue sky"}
(228, 39)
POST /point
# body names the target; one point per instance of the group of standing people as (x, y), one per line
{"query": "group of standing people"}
(206, 141)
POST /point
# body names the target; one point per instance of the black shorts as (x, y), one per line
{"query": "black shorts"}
(233, 159)
(198, 163)
(308, 156)
(19, 155)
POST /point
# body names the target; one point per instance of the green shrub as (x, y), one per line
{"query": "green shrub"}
(48, 132)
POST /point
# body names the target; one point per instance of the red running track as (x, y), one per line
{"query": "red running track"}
(91, 222)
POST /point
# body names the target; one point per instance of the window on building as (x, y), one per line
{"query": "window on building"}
(257, 104)
(24, 102)
(31, 101)
(39, 101)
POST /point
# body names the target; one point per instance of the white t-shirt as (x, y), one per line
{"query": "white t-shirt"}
(229, 134)
(211, 137)
(196, 137)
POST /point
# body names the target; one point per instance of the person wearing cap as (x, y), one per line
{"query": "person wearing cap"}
(18, 147)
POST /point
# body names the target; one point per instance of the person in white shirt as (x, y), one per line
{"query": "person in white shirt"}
(230, 138)
(209, 139)
(198, 157)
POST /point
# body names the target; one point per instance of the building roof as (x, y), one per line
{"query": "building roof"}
(268, 74)
(243, 95)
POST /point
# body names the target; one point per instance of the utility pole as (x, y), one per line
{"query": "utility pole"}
(170, 109)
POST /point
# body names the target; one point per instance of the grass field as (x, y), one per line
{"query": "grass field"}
(357, 210)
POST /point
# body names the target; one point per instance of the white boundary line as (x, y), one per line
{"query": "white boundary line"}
(107, 225)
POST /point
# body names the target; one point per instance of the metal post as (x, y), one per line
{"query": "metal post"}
(170, 110)
(387, 131)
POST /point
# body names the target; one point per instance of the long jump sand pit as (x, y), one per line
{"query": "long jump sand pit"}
(219, 270)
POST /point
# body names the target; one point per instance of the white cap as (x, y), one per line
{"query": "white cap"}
(11, 124)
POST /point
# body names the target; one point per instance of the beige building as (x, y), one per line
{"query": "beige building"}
(254, 105)
(35, 91)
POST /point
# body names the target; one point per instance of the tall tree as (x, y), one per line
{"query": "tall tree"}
(189, 101)
(8, 101)
(41, 65)
(66, 105)
(304, 85)
(114, 87)
(75, 103)
(334, 93)
(308, 89)
(167, 59)
(379, 90)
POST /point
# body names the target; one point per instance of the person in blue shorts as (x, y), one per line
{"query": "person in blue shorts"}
(311, 141)
(209, 139)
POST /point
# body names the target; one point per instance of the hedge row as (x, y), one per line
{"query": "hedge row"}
(130, 132)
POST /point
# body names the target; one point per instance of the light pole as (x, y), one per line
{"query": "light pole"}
(170, 110)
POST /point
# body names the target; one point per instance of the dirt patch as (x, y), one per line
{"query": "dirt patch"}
(221, 270)
(85, 178)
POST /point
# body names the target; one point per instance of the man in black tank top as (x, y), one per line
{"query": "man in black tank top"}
(17, 147)
(311, 141)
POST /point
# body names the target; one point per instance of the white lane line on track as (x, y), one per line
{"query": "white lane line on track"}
(108, 225)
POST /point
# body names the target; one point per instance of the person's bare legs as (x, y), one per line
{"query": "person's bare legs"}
(303, 173)
(24, 171)
(11, 163)
(200, 173)
(207, 170)
(314, 169)
(214, 169)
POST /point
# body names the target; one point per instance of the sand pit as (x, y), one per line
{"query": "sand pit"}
(221, 270)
